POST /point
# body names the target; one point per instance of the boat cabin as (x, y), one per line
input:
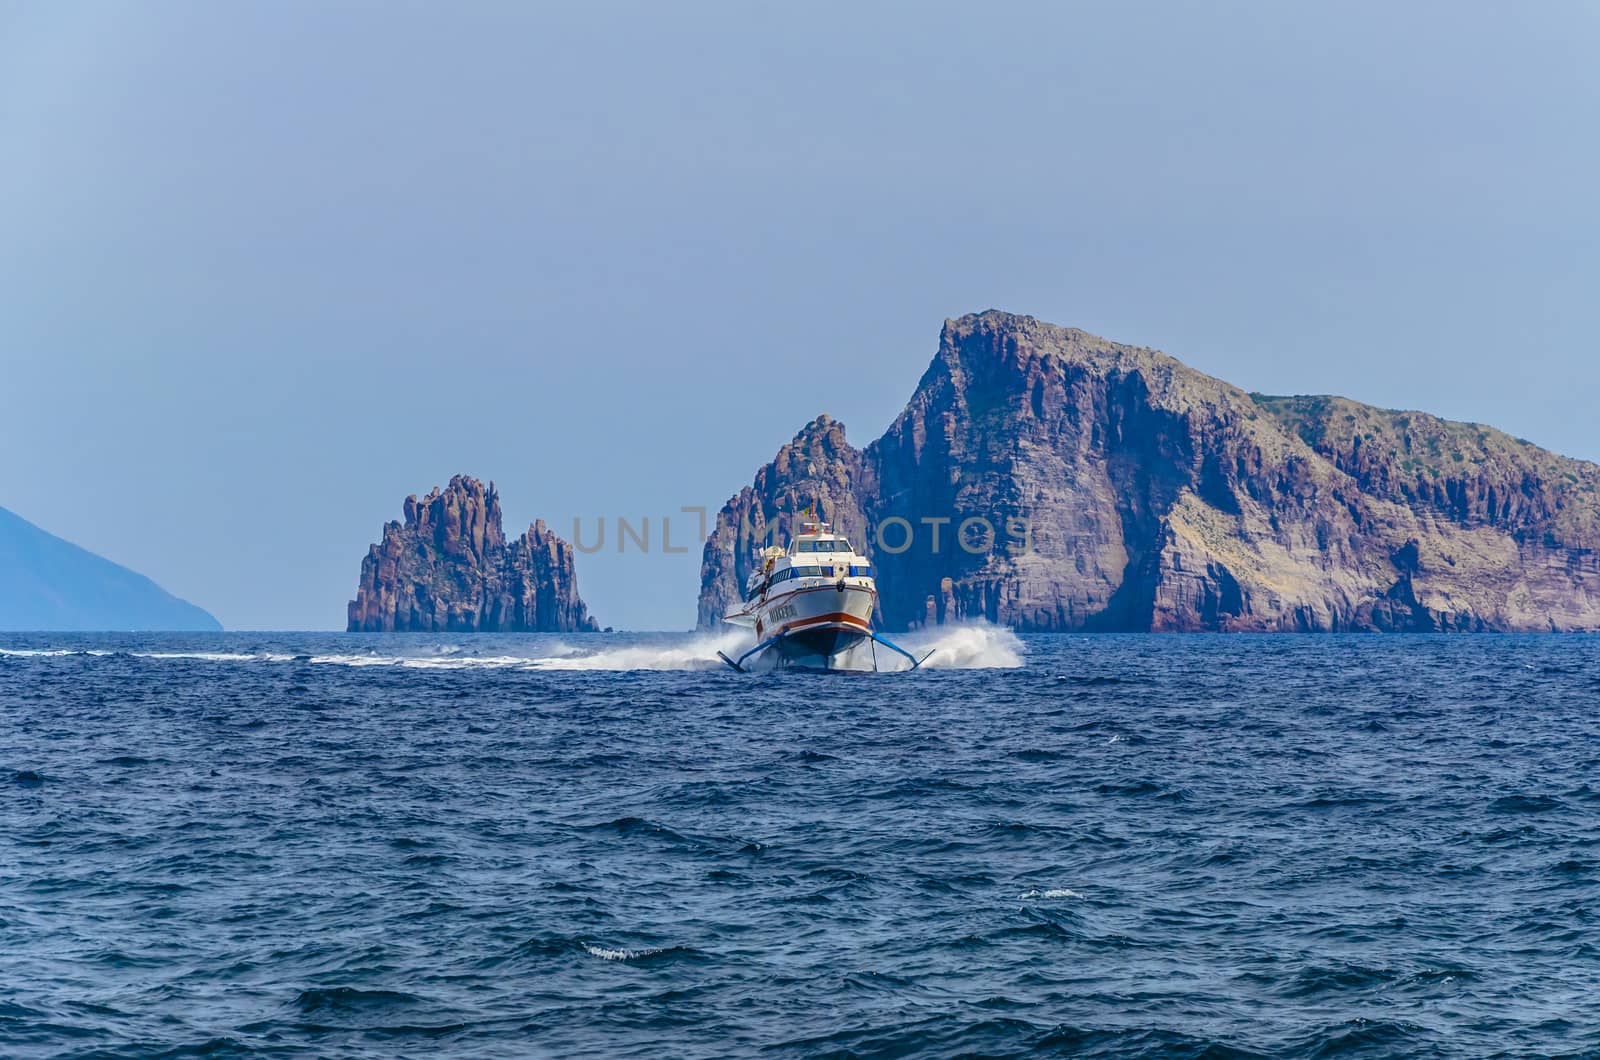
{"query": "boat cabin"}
(816, 552)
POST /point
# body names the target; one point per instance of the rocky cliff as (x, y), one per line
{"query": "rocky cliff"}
(1046, 479)
(448, 567)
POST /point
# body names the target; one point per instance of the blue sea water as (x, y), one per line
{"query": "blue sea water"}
(350, 846)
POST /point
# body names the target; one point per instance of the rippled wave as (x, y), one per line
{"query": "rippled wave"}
(288, 845)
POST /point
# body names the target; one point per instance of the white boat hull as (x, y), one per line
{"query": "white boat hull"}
(819, 625)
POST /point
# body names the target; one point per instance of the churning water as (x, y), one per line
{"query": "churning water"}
(281, 845)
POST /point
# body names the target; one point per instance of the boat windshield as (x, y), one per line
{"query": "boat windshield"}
(839, 545)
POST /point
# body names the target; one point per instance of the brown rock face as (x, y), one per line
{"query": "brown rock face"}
(1109, 487)
(819, 467)
(449, 568)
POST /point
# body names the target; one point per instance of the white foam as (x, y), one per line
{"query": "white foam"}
(46, 653)
(978, 646)
(427, 662)
(464, 662)
(356, 660)
(697, 653)
(1060, 892)
(607, 954)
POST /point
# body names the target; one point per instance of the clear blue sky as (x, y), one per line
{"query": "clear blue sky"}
(266, 268)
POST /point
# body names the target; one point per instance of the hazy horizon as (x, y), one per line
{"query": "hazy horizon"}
(268, 269)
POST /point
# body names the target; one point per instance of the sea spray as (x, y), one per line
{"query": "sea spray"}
(976, 646)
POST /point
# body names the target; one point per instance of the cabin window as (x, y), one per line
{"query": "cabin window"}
(839, 545)
(861, 570)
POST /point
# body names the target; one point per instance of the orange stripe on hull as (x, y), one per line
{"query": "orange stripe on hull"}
(836, 618)
(778, 601)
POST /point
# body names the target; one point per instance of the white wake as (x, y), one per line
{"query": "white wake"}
(979, 646)
(967, 647)
(699, 652)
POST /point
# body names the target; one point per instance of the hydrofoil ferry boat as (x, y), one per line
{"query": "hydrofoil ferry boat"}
(811, 607)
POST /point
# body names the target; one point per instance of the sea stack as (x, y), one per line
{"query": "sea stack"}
(1111, 488)
(448, 568)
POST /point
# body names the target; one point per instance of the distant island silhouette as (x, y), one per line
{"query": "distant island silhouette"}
(49, 584)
